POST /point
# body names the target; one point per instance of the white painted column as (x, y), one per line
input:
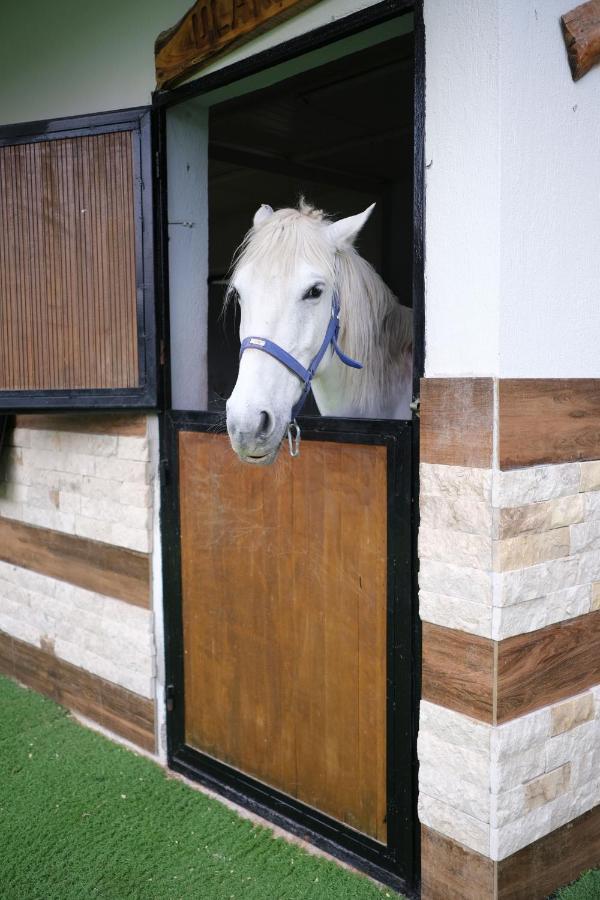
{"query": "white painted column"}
(187, 172)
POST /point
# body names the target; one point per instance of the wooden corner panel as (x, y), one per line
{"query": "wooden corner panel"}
(115, 708)
(496, 681)
(112, 571)
(548, 420)
(552, 861)
(547, 665)
(458, 671)
(457, 419)
(450, 871)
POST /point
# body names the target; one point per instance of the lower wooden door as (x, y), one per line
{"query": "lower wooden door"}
(289, 607)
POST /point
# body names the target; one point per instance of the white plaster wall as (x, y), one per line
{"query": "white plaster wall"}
(550, 177)
(187, 161)
(512, 205)
(462, 155)
(70, 57)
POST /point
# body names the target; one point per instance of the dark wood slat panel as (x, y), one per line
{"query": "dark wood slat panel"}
(548, 665)
(548, 420)
(450, 871)
(67, 264)
(114, 571)
(111, 706)
(552, 861)
(127, 424)
(458, 671)
(284, 620)
(457, 417)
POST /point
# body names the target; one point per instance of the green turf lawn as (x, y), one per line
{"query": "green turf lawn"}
(81, 818)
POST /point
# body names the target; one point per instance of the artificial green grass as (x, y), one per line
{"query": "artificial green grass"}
(586, 888)
(81, 818)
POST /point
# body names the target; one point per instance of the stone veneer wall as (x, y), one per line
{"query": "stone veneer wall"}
(79, 495)
(504, 556)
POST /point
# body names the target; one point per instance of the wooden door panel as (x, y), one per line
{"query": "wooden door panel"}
(284, 578)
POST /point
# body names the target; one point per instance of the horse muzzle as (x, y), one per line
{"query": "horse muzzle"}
(255, 435)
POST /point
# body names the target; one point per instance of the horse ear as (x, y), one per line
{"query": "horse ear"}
(262, 214)
(344, 232)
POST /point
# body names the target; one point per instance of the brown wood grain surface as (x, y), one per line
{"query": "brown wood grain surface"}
(457, 418)
(108, 704)
(548, 420)
(212, 27)
(94, 565)
(127, 424)
(547, 665)
(581, 33)
(458, 671)
(67, 264)
(450, 871)
(284, 610)
(553, 861)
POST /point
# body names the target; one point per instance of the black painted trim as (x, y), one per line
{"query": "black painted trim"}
(394, 862)
(138, 121)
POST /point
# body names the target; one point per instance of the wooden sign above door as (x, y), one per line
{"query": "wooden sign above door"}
(211, 28)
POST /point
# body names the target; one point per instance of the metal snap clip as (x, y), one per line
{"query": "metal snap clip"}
(294, 435)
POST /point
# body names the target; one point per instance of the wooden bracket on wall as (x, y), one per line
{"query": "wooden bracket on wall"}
(210, 28)
(581, 31)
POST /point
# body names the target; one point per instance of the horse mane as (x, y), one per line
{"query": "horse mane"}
(374, 328)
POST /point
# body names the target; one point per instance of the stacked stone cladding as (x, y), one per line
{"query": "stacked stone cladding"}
(94, 486)
(504, 554)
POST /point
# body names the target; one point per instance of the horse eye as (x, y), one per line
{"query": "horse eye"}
(314, 292)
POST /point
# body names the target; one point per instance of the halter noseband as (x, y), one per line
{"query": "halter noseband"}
(290, 362)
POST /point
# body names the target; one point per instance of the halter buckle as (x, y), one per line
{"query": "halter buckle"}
(294, 435)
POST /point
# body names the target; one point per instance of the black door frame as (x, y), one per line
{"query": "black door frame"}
(399, 863)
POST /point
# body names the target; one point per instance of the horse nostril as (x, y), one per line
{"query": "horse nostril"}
(265, 425)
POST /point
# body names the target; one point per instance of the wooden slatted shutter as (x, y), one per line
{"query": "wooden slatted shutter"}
(76, 263)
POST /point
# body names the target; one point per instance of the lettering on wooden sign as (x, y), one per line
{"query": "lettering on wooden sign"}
(210, 28)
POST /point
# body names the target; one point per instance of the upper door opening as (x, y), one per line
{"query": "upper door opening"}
(338, 133)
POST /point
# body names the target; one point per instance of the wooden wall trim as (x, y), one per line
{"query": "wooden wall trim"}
(548, 420)
(496, 681)
(115, 708)
(552, 861)
(458, 671)
(103, 568)
(548, 665)
(209, 29)
(457, 416)
(128, 424)
(450, 871)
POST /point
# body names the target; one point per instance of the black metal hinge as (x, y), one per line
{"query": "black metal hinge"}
(170, 697)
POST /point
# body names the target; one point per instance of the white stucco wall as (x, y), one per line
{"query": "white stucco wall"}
(70, 57)
(513, 191)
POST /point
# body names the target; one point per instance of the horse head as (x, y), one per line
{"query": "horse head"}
(284, 280)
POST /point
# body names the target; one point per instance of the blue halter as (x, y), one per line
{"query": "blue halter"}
(305, 375)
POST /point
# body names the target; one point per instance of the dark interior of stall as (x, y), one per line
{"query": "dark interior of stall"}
(340, 135)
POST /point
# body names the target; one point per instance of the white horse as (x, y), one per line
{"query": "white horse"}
(292, 269)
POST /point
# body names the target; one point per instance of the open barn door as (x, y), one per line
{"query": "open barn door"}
(290, 630)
